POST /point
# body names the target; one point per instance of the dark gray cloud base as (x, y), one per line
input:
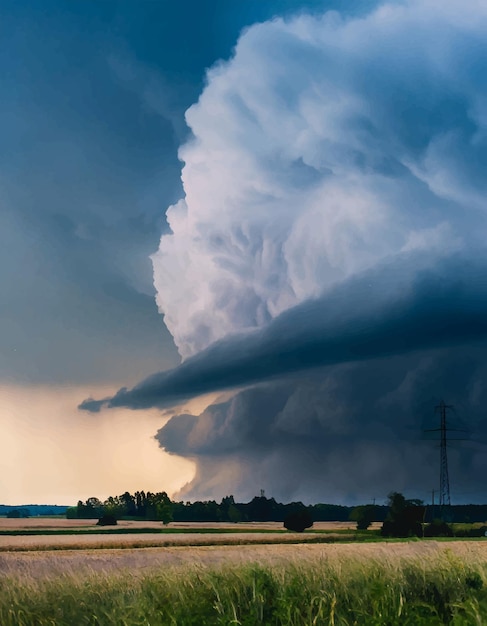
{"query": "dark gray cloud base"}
(389, 310)
(345, 434)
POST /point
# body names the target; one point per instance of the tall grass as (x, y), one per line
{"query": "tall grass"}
(442, 589)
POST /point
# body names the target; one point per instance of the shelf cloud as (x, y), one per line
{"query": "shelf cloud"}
(384, 312)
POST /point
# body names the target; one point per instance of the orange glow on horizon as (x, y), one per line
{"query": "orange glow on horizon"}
(52, 453)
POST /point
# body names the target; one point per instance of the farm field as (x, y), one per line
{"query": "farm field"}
(413, 583)
(50, 563)
(56, 523)
(146, 540)
(55, 534)
(146, 576)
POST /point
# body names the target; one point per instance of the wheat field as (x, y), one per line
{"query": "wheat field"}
(45, 563)
(95, 579)
(411, 583)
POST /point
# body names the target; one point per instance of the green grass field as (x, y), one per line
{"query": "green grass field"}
(443, 589)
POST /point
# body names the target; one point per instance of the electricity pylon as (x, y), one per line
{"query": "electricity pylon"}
(442, 408)
(444, 478)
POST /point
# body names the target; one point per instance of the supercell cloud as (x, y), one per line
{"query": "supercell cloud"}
(334, 210)
(323, 146)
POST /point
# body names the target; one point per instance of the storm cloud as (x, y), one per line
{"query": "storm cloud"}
(324, 146)
(386, 311)
(346, 434)
(330, 244)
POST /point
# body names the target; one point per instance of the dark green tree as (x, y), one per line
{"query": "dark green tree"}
(363, 515)
(298, 520)
(405, 517)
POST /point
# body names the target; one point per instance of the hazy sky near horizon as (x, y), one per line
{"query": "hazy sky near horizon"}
(299, 189)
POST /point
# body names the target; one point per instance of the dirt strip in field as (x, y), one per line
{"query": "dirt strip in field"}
(35, 565)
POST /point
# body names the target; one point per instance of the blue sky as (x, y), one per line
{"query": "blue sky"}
(322, 155)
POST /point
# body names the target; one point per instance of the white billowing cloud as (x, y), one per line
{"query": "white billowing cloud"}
(322, 147)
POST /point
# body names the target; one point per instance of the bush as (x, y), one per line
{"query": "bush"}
(298, 521)
(404, 517)
(401, 528)
(72, 512)
(438, 528)
(363, 515)
(107, 520)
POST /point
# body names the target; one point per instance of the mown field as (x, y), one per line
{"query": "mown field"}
(393, 582)
(56, 534)
(58, 523)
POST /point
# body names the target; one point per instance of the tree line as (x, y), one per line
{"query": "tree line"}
(29, 510)
(159, 507)
(140, 505)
